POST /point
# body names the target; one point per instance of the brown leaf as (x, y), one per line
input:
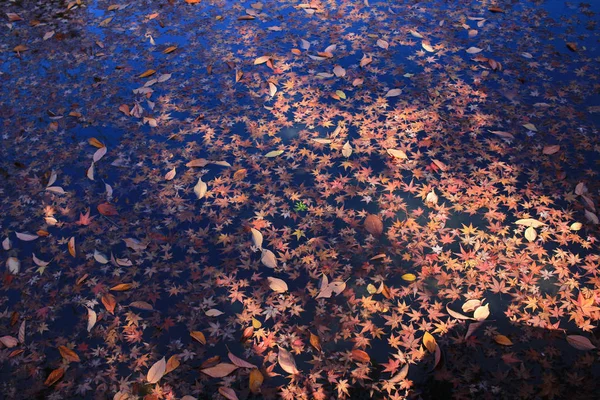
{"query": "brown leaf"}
(360, 356)
(228, 393)
(315, 341)
(96, 143)
(109, 302)
(54, 376)
(373, 225)
(71, 246)
(172, 363)
(147, 73)
(68, 354)
(277, 285)
(503, 340)
(121, 287)
(107, 209)
(580, 342)
(199, 336)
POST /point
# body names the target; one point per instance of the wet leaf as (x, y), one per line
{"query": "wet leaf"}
(256, 380)
(157, 371)
(220, 370)
(360, 356)
(287, 362)
(503, 340)
(580, 342)
(199, 336)
(373, 225)
(68, 354)
(54, 376)
(429, 342)
(481, 312)
(277, 285)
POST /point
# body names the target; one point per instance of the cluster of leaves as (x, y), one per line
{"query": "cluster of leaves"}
(158, 160)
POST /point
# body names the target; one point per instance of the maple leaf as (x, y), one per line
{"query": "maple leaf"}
(85, 219)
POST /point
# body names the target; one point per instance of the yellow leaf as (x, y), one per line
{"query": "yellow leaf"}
(482, 312)
(199, 336)
(157, 371)
(503, 340)
(121, 287)
(256, 380)
(429, 342)
(340, 94)
(147, 73)
(409, 277)
(274, 153)
(256, 323)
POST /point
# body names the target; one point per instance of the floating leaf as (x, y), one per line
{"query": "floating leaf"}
(409, 277)
(474, 50)
(228, 393)
(26, 237)
(157, 371)
(347, 150)
(9, 341)
(580, 342)
(315, 341)
(393, 93)
(287, 362)
(199, 336)
(268, 259)
(91, 319)
(471, 305)
(360, 356)
(277, 285)
(549, 150)
(147, 73)
(373, 225)
(239, 362)
(530, 222)
(530, 234)
(220, 370)
(71, 246)
(257, 238)
(261, 60)
(274, 153)
(481, 312)
(399, 154)
(199, 162)
(456, 315)
(200, 189)
(68, 354)
(429, 342)
(121, 287)
(170, 175)
(142, 305)
(503, 340)
(172, 364)
(213, 312)
(383, 44)
(54, 376)
(256, 380)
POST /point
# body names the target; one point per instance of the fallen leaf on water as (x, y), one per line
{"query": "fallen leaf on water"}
(373, 225)
(481, 312)
(157, 371)
(409, 277)
(256, 380)
(580, 342)
(429, 342)
(277, 285)
(199, 336)
(503, 340)
(360, 356)
(68, 354)
(220, 370)
(287, 362)
(54, 376)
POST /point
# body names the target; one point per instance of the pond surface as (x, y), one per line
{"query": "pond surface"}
(316, 200)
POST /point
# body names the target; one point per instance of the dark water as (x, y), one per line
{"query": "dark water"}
(74, 75)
